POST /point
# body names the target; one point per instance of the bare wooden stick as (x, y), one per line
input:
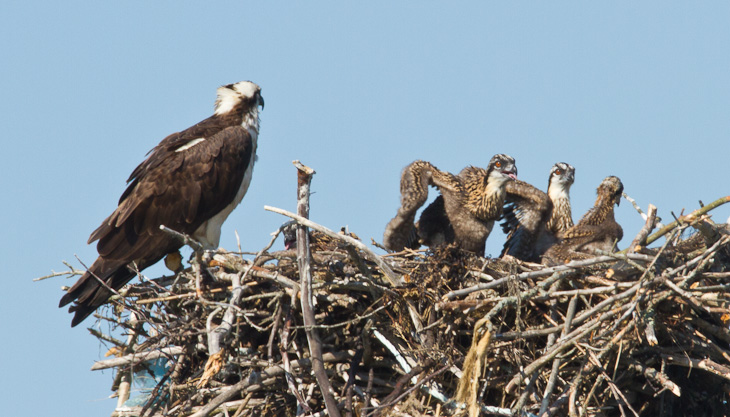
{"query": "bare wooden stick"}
(656, 377)
(137, 357)
(188, 240)
(687, 219)
(401, 358)
(304, 179)
(125, 378)
(269, 373)
(217, 335)
(394, 279)
(640, 238)
(284, 337)
(70, 273)
(541, 273)
(705, 364)
(557, 361)
(638, 209)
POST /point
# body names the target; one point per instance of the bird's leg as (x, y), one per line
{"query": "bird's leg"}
(197, 268)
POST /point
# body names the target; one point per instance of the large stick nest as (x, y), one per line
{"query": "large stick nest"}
(639, 334)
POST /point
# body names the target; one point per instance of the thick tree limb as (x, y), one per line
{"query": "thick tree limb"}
(304, 178)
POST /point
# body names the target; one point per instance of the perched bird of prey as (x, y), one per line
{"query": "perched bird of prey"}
(533, 220)
(464, 213)
(190, 182)
(596, 230)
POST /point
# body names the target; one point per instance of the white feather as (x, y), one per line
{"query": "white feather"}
(189, 144)
(558, 190)
(229, 97)
(209, 233)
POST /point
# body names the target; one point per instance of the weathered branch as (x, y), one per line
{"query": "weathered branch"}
(137, 357)
(304, 178)
(391, 276)
(640, 239)
(687, 219)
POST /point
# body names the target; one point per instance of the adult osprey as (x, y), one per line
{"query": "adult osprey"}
(190, 182)
(464, 213)
(596, 230)
(534, 220)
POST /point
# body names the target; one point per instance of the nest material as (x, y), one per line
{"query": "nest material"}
(639, 334)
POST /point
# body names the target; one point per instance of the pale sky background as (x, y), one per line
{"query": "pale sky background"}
(640, 90)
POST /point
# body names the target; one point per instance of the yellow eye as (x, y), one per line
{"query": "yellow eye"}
(498, 164)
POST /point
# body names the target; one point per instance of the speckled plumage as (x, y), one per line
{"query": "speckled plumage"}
(464, 213)
(596, 230)
(534, 220)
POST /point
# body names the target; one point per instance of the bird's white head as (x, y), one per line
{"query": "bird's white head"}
(563, 173)
(244, 92)
(502, 168)
(562, 176)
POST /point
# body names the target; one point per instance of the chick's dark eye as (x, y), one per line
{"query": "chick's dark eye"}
(498, 164)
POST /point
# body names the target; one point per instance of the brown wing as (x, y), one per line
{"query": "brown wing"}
(526, 212)
(596, 230)
(415, 179)
(178, 189)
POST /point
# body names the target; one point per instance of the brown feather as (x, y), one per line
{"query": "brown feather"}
(180, 188)
(463, 214)
(533, 220)
(596, 230)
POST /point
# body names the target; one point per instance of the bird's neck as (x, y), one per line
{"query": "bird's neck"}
(561, 218)
(601, 211)
(251, 119)
(485, 196)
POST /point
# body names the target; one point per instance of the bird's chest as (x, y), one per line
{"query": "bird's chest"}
(209, 232)
(470, 231)
(248, 174)
(560, 218)
(610, 233)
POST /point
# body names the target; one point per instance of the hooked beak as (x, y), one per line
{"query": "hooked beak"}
(511, 172)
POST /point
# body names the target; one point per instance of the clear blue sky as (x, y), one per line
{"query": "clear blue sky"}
(640, 90)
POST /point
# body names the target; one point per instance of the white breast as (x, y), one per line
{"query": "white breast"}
(209, 233)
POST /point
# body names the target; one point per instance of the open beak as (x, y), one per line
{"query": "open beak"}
(511, 172)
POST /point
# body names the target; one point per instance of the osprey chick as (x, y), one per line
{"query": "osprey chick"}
(596, 230)
(464, 213)
(190, 182)
(533, 220)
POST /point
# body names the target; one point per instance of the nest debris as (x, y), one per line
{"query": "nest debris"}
(333, 328)
(644, 333)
